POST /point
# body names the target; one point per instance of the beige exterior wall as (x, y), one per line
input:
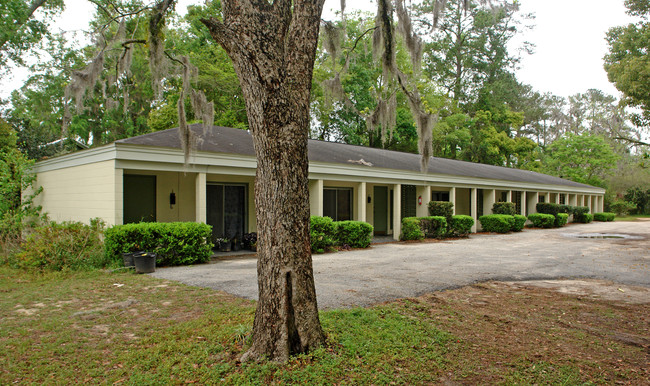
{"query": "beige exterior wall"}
(79, 193)
(462, 204)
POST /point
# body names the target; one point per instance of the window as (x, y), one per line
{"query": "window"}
(337, 203)
(439, 196)
(409, 201)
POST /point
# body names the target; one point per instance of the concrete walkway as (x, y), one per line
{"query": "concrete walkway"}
(390, 271)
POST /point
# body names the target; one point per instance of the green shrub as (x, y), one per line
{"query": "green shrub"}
(568, 209)
(357, 234)
(622, 207)
(580, 214)
(62, 246)
(584, 218)
(411, 229)
(433, 226)
(176, 243)
(460, 225)
(542, 220)
(321, 233)
(508, 208)
(499, 223)
(604, 216)
(561, 219)
(441, 208)
(519, 223)
(549, 208)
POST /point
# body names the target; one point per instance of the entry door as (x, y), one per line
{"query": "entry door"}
(380, 210)
(226, 210)
(139, 199)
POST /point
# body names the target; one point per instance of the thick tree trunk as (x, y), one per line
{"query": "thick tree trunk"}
(273, 47)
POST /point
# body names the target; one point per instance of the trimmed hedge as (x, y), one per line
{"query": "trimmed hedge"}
(321, 233)
(460, 225)
(499, 223)
(520, 221)
(441, 208)
(433, 226)
(580, 214)
(411, 229)
(561, 219)
(549, 208)
(357, 234)
(175, 243)
(583, 218)
(542, 220)
(508, 208)
(604, 216)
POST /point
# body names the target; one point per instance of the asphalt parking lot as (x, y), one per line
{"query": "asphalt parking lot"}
(615, 251)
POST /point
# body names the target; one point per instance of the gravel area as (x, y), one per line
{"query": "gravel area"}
(386, 272)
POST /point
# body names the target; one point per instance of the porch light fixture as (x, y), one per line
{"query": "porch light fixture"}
(172, 199)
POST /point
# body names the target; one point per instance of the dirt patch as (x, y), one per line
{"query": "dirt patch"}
(594, 289)
(555, 331)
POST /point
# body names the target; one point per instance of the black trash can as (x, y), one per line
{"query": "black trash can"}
(128, 259)
(145, 262)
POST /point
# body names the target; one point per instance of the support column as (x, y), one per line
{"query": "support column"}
(452, 198)
(509, 197)
(489, 197)
(588, 199)
(473, 209)
(557, 198)
(201, 198)
(361, 201)
(316, 198)
(119, 198)
(397, 211)
(522, 203)
(532, 198)
(601, 203)
(422, 210)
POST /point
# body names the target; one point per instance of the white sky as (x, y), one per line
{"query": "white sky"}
(568, 34)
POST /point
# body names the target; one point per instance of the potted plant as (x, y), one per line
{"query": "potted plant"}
(223, 243)
(145, 262)
(248, 240)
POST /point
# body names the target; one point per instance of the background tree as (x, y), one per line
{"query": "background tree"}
(628, 64)
(20, 30)
(582, 158)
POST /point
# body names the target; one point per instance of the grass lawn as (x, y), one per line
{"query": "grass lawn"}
(632, 217)
(122, 328)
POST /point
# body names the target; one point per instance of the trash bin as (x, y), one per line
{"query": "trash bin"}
(128, 259)
(145, 262)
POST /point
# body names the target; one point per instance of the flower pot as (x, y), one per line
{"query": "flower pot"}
(224, 247)
(236, 246)
(128, 259)
(145, 262)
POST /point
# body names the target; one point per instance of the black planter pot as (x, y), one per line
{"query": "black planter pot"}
(224, 247)
(145, 262)
(128, 259)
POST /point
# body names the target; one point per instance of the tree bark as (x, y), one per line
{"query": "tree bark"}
(273, 47)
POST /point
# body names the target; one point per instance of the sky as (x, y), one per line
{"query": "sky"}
(569, 36)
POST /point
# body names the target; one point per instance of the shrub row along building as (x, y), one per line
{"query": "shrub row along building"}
(145, 178)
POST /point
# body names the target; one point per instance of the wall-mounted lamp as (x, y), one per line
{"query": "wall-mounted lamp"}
(369, 200)
(172, 199)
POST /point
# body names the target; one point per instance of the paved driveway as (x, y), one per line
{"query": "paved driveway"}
(390, 271)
